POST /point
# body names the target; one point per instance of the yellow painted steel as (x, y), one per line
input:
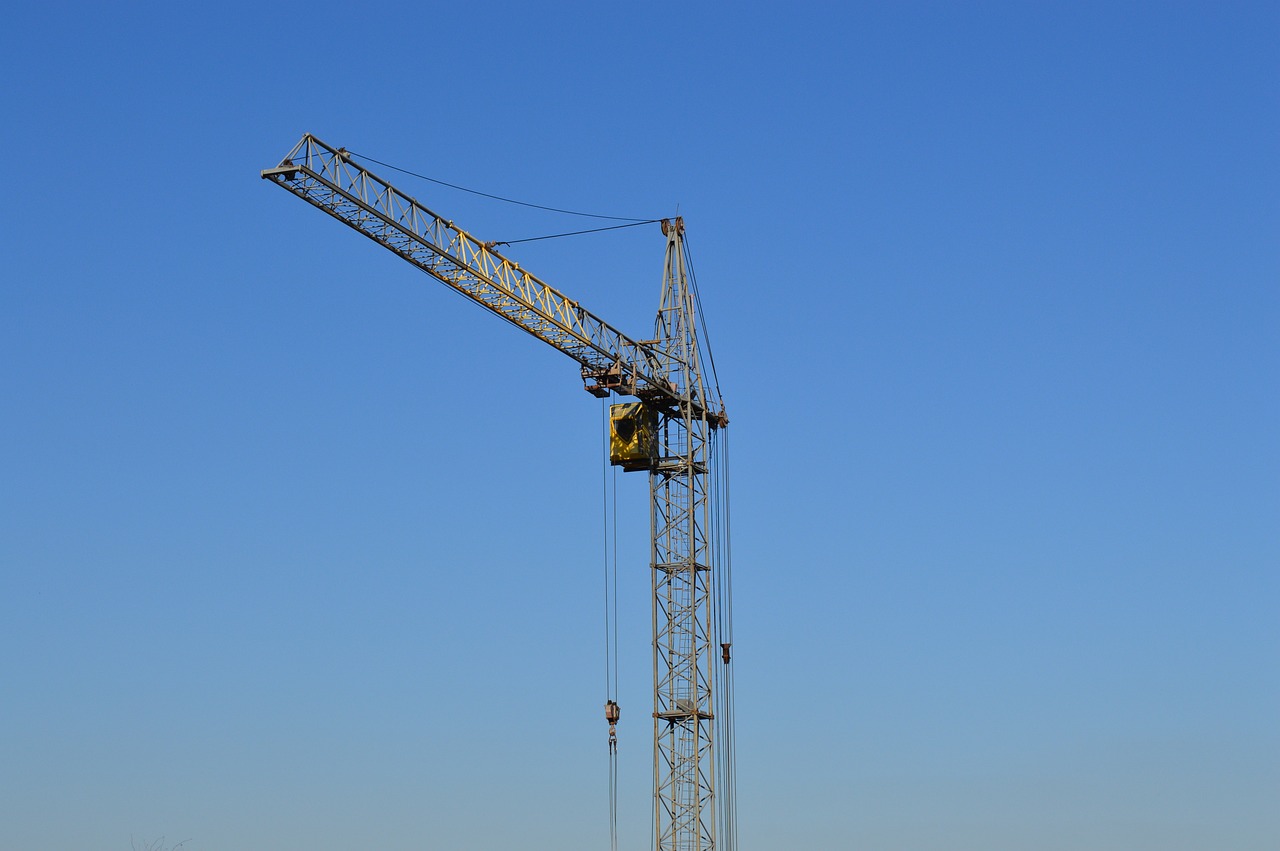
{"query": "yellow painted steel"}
(633, 436)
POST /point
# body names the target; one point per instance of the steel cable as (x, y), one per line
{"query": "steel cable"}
(499, 197)
(572, 233)
(732, 697)
(604, 479)
(706, 333)
(610, 539)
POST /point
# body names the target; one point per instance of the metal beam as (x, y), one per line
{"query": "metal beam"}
(330, 179)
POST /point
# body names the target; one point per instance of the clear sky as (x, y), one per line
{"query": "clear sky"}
(298, 550)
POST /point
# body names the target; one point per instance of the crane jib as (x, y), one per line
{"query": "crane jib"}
(611, 362)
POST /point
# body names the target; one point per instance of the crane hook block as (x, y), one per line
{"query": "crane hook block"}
(611, 714)
(633, 432)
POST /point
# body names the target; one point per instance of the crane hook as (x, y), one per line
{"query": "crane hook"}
(612, 712)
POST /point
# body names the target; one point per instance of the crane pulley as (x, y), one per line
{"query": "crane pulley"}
(671, 433)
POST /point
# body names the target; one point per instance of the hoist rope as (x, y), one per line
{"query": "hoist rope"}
(731, 817)
(610, 540)
(617, 667)
(613, 801)
(604, 480)
(499, 197)
(609, 504)
(722, 599)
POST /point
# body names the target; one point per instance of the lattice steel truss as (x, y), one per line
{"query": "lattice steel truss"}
(330, 179)
(683, 655)
(664, 372)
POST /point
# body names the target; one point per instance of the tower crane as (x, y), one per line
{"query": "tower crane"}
(670, 431)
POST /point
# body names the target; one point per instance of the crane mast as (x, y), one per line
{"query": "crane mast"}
(684, 752)
(665, 374)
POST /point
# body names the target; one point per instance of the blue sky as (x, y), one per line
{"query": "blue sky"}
(301, 551)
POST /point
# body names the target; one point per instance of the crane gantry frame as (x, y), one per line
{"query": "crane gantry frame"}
(666, 375)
